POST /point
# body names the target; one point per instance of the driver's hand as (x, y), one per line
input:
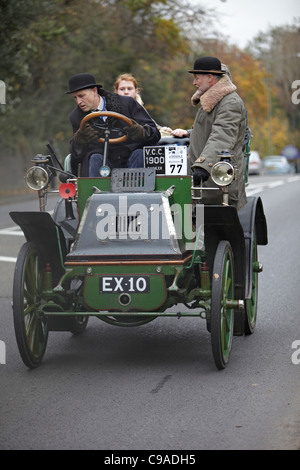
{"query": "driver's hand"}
(180, 133)
(200, 174)
(82, 136)
(135, 132)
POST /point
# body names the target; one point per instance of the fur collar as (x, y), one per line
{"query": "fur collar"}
(217, 92)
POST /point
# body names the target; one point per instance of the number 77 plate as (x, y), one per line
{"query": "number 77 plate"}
(167, 160)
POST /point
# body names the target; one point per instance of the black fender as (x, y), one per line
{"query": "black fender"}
(40, 228)
(240, 229)
(254, 223)
(252, 217)
(223, 223)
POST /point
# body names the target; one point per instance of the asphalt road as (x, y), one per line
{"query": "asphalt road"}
(156, 387)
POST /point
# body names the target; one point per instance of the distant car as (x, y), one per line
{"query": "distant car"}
(255, 164)
(278, 165)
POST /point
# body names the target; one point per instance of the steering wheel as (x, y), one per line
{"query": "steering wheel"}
(109, 114)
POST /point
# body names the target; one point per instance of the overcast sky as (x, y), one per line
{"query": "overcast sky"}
(242, 20)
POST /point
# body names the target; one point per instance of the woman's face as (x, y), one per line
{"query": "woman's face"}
(127, 88)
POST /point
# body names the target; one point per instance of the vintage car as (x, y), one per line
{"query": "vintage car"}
(134, 246)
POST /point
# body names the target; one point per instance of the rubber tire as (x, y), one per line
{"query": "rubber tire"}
(222, 319)
(251, 304)
(31, 330)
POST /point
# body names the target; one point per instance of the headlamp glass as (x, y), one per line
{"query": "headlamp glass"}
(222, 173)
(37, 178)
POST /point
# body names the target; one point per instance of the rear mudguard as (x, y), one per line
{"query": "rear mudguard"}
(240, 229)
(254, 224)
(40, 228)
(222, 223)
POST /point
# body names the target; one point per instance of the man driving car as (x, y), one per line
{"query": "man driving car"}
(85, 148)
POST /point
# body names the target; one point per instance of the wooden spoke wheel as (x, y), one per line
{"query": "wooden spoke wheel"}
(222, 315)
(31, 327)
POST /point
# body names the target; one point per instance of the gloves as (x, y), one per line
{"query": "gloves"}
(82, 136)
(135, 132)
(200, 175)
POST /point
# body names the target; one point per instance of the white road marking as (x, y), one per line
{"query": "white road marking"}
(258, 187)
(15, 231)
(8, 259)
(293, 178)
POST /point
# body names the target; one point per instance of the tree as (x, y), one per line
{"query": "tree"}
(278, 51)
(47, 42)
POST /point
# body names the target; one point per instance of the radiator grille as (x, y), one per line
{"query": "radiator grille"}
(132, 179)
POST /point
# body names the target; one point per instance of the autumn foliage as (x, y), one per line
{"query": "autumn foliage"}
(43, 43)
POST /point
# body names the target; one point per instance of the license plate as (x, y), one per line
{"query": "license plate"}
(166, 160)
(119, 284)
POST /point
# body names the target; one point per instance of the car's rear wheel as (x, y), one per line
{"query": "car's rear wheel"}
(251, 304)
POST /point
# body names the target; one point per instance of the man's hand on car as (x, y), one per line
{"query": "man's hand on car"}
(200, 174)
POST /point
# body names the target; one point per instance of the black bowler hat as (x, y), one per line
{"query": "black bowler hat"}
(208, 65)
(81, 81)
